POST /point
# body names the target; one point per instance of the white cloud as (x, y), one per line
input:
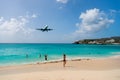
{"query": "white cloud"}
(62, 1)
(1, 19)
(92, 21)
(34, 16)
(15, 27)
(114, 11)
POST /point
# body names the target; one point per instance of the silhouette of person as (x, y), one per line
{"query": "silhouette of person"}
(45, 57)
(39, 55)
(64, 60)
(26, 55)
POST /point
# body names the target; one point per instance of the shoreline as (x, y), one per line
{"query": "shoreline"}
(60, 60)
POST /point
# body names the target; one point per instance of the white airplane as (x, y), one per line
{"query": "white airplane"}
(44, 29)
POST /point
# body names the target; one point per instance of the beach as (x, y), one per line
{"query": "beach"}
(76, 69)
(59, 40)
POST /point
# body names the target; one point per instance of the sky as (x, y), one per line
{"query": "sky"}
(71, 20)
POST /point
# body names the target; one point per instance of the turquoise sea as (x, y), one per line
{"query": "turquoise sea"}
(15, 54)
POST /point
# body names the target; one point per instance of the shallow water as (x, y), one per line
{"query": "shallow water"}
(12, 54)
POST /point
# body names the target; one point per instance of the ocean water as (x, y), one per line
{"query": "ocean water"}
(15, 54)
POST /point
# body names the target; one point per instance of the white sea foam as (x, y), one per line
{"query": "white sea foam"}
(115, 53)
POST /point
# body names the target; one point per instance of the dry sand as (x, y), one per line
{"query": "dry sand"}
(93, 69)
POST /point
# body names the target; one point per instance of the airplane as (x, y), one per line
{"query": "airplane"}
(44, 29)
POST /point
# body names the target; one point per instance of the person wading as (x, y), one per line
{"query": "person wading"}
(46, 58)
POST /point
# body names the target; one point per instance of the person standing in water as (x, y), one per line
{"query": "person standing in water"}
(45, 57)
(26, 55)
(64, 60)
(39, 55)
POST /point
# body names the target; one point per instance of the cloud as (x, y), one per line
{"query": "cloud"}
(114, 11)
(62, 1)
(15, 27)
(92, 21)
(34, 16)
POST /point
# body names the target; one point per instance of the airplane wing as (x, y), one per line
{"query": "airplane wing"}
(50, 29)
(40, 29)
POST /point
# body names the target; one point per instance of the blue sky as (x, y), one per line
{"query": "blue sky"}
(71, 20)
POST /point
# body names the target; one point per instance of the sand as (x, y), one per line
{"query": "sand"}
(77, 69)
